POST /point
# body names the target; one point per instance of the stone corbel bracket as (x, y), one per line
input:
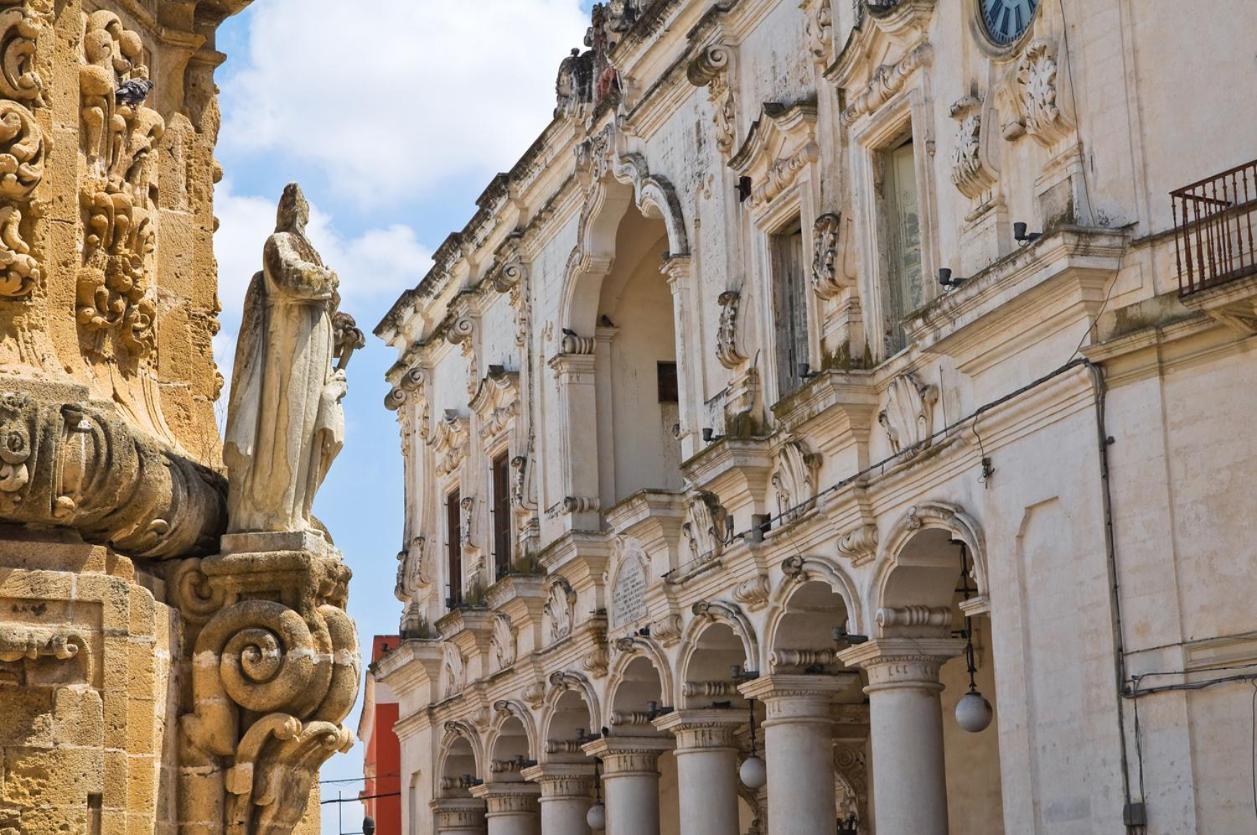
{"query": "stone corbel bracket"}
(712, 68)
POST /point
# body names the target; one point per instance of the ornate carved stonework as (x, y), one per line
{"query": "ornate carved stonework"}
(119, 138)
(887, 80)
(794, 478)
(667, 630)
(503, 641)
(820, 29)
(753, 593)
(727, 332)
(559, 610)
(69, 463)
(20, 641)
(274, 661)
(454, 672)
(860, 545)
(969, 169)
(705, 525)
(450, 442)
(832, 260)
(496, 402)
(908, 417)
(1030, 97)
(711, 70)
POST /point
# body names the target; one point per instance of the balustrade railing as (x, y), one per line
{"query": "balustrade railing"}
(1214, 226)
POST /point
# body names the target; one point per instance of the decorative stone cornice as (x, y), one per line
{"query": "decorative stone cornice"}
(887, 80)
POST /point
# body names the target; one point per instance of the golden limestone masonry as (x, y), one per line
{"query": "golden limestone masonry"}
(174, 652)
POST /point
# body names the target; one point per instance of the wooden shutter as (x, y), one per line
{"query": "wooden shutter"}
(454, 544)
(789, 308)
(502, 515)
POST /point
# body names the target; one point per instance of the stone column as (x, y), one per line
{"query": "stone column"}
(909, 776)
(458, 816)
(630, 779)
(707, 768)
(510, 807)
(566, 793)
(798, 749)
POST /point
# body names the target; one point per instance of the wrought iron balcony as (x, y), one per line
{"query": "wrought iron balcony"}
(1214, 225)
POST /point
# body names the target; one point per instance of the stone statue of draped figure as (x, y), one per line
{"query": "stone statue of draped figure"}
(285, 422)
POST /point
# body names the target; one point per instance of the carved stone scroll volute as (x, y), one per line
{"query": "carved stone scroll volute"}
(727, 351)
(21, 148)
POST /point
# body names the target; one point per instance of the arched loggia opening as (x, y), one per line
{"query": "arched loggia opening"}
(809, 634)
(510, 752)
(459, 769)
(933, 574)
(638, 395)
(638, 698)
(713, 667)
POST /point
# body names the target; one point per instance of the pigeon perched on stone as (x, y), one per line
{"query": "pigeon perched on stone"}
(134, 91)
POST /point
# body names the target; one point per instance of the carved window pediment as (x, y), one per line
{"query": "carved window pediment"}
(779, 146)
(450, 441)
(496, 403)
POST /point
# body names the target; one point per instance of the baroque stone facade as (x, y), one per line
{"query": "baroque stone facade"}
(155, 675)
(832, 412)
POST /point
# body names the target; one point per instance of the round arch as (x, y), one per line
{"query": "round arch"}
(707, 614)
(504, 711)
(948, 523)
(797, 572)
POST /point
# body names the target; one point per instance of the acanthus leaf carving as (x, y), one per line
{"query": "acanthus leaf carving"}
(969, 170)
(1030, 97)
(727, 332)
(908, 417)
(559, 610)
(795, 478)
(833, 255)
(503, 641)
(705, 525)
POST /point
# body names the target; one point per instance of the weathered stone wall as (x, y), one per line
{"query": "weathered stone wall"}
(964, 417)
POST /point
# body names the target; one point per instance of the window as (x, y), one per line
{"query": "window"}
(789, 308)
(904, 291)
(667, 377)
(454, 545)
(502, 514)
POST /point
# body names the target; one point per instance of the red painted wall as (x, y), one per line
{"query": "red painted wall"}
(383, 759)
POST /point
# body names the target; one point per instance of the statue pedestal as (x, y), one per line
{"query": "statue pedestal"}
(274, 667)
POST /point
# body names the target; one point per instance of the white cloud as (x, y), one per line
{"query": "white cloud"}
(388, 97)
(374, 267)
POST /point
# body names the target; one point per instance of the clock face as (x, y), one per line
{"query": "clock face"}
(1007, 20)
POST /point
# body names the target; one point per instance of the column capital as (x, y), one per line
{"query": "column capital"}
(798, 698)
(709, 729)
(626, 755)
(902, 662)
(458, 812)
(508, 798)
(561, 780)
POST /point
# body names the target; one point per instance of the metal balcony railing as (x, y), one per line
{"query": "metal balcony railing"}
(1213, 234)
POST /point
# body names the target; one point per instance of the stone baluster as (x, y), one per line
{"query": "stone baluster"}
(798, 747)
(510, 807)
(566, 793)
(907, 731)
(707, 768)
(630, 779)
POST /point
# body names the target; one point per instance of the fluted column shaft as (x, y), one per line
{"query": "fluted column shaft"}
(707, 768)
(798, 749)
(907, 731)
(566, 793)
(630, 779)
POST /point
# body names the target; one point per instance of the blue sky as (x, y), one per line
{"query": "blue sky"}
(393, 115)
